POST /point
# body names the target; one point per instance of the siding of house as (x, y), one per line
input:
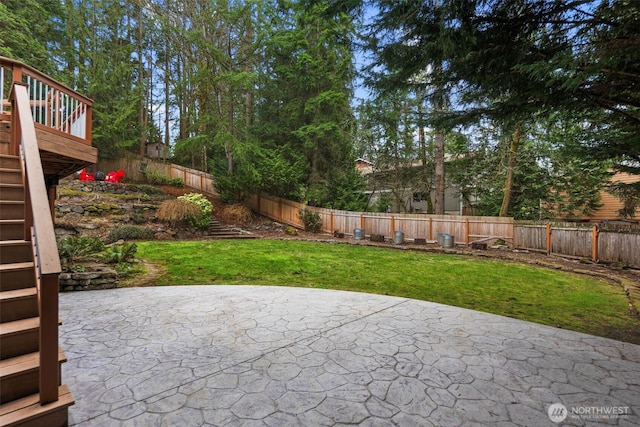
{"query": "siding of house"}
(611, 204)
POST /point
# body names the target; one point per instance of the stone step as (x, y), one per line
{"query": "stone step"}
(219, 231)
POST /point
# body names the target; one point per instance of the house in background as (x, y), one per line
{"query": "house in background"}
(401, 189)
(611, 205)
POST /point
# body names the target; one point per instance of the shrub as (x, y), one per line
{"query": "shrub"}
(117, 254)
(311, 220)
(77, 248)
(206, 208)
(236, 214)
(176, 211)
(129, 232)
(176, 182)
(155, 178)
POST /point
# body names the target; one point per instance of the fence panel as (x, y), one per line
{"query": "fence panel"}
(572, 241)
(193, 178)
(345, 222)
(618, 247)
(531, 237)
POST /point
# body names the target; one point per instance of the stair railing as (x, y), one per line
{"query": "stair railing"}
(39, 230)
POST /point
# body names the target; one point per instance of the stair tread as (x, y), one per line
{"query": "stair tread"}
(28, 407)
(16, 326)
(15, 243)
(6, 296)
(16, 266)
(24, 363)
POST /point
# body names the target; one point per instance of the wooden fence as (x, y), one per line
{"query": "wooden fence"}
(592, 243)
(192, 178)
(133, 168)
(465, 229)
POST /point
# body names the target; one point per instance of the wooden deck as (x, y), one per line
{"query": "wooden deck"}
(61, 155)
(62, 119)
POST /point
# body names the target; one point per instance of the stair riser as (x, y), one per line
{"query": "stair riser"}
(9, 162)
(19, 385)
(57, 418)
(10, 177)
(22, 308)
(15, 253)
(11, 231)
(11, 210)
(11, 280)
(17, 344)
(11, 193)
(29, 412)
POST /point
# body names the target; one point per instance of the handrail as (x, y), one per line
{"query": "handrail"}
(39, 230)
(54, 106)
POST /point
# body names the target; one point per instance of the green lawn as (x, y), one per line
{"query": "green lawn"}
(550, 297)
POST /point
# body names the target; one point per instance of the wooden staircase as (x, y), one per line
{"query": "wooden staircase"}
(20, 398)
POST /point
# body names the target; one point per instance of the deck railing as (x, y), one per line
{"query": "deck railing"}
(53, 106)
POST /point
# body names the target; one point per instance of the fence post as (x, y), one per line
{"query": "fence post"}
(594, 244)
(332, 227)
(466, 231)
(393, 226)
(430, 228)
(549, 248)
(361, 220)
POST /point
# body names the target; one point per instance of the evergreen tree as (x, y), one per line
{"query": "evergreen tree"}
(304, 93)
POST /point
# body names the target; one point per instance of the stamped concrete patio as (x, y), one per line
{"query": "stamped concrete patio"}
(269, 356)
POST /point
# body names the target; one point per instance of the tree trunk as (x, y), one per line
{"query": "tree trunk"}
(439, 173)
(167, 95)
(514, 146)
(426, 173)
(142, 92)
(439, 158)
